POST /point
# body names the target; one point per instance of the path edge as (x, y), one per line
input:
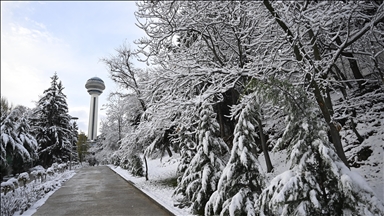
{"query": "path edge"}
(147, 195)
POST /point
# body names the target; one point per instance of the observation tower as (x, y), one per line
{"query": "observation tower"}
(95, 87)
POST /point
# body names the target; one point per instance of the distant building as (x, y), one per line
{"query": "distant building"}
(95, 87)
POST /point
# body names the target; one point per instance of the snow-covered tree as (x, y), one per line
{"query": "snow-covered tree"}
(318, 182)
(51, 125)
(5, 106)
(242, 179)
(311, 37)
(221, 46)
(206, 48)
(23, 131)
(186, 139)
(18, 146)
(200, 178)
(73, 138)
(124, 73)
(214, 40)
(82, 146)
(122, 113)
(133, 146)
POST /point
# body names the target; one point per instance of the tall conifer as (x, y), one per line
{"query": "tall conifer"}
(241, 181)
(200, 179)
(52, 124)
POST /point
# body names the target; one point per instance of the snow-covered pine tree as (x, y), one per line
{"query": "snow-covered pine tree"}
(318, 182)
(200, 179)
(241, 181)
(5, 107)
(187, 144)
(23, 131)
(18, 146)
(51, 124)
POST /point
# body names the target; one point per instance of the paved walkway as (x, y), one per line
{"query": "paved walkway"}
(99, 191)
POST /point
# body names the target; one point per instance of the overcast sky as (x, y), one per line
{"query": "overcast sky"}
(41, 38)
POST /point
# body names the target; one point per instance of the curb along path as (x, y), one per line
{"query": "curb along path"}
(99, 191)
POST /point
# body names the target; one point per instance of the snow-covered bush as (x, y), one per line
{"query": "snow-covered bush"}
(38, 173)
(133, 164)
(62, 167)
(7, 186)
(33, 175)
(14, 181)
(124, 161)
(42, 174)
(50, 171)
(55, 166)
(115, 160)
(24, 197)
(23, 177)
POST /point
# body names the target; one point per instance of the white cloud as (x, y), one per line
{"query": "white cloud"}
(40, 25)
(24, 62)
(29, 58)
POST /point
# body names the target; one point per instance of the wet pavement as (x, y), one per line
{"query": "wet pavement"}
(99, 191)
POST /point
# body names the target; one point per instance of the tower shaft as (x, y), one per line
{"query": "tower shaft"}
(93, 114)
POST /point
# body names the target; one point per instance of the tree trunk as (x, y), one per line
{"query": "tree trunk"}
(359, 137)
(168, 151)
(221, 120)
(333, 130)
(353, 65)
(264, 146)
(146, 168)
(353, 125)
(355, 69)
(119, 124)
(328, 101)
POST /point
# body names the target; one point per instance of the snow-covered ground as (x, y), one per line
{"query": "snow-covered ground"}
(366, 158)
